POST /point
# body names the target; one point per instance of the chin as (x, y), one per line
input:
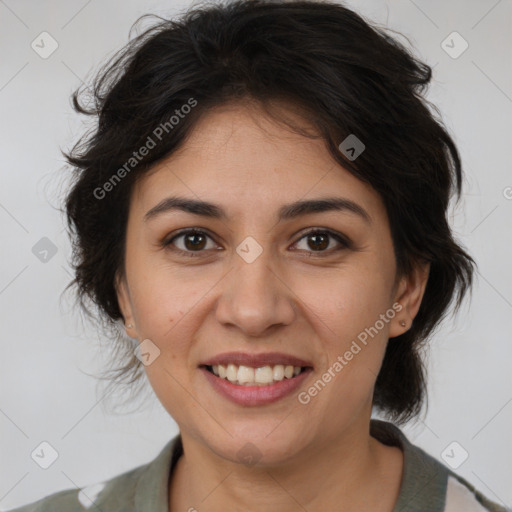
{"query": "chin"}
(259, 443)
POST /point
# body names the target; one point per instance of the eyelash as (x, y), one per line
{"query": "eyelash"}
(345, 242)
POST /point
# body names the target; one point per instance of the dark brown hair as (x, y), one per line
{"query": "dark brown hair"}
(344, 75)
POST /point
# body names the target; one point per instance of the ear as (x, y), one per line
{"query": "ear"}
(409, 293)
(125, 305)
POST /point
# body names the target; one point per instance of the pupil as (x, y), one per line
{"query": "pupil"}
(194, 244)
(322, 245)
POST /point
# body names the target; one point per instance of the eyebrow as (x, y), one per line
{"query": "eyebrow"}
(286, 212)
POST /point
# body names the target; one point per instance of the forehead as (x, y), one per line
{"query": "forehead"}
(239, 157)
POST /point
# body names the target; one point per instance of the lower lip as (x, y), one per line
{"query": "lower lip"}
(255, 395)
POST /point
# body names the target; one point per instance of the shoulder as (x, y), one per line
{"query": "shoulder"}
(427, 483)
(462, 496)
(88, 497)
(131, 490)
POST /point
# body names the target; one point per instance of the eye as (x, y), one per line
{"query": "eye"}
(193, 240)
(317, 240)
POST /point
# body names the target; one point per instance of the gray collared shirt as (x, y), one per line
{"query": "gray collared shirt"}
(427, 484)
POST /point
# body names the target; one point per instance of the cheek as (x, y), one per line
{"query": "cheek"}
(344, 302)
(345, 313)
(164, 300)
(353, 339)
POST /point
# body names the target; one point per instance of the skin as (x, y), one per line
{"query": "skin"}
(293, 298)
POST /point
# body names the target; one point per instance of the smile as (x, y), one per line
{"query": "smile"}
(247, 391)
(248, 376)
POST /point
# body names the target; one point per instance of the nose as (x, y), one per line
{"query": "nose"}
(255, 297)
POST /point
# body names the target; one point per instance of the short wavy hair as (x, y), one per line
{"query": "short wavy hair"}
(343, 75)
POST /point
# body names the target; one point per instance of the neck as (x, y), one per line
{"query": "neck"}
(348, 472)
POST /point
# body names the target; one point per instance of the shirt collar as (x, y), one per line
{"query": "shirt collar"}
(152, 491)
(424, 479)
(423, 485)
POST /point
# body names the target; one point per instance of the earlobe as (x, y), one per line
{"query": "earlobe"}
(409, 295)
(123, 299)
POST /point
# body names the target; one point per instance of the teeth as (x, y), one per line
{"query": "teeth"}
(263, 376)
(278, 372)
(245, 374)
(231, 372)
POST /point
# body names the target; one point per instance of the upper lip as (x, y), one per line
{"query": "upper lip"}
(255, 360)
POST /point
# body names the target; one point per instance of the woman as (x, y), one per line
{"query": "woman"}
(264, 206)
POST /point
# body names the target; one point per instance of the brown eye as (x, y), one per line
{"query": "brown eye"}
(191, 241)
(319, 240)
(194, 241)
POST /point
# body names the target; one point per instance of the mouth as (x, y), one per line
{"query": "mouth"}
(255, 379)
(241, 375)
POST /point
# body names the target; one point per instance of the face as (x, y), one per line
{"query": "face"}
(261, 280)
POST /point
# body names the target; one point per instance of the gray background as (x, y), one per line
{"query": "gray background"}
(47, 353)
